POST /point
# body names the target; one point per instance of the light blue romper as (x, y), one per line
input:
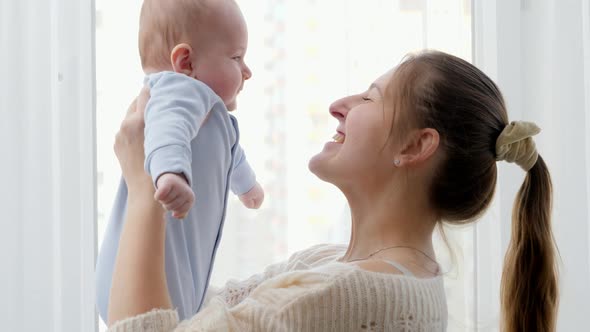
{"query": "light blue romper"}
(213, 162)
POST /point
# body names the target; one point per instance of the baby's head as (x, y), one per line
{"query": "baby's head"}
(204, 39)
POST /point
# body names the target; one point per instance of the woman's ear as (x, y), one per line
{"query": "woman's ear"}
(419, 148)
(182, 59)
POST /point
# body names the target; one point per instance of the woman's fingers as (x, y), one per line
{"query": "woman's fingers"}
(142, 99)
(129, 140)
(132, 107)
(134, 119)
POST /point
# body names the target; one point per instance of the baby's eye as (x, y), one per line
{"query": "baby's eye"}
(237, 58)
(366, 98)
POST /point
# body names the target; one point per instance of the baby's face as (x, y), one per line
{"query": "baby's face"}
(220, 64)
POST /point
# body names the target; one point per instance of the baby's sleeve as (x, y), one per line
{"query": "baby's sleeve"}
(177, 107)
(243, 177)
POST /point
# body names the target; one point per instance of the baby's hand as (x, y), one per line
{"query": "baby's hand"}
(253, 198)
(174, 194)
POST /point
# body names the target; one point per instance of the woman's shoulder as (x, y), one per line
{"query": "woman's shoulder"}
(314, 256)
(392, 294)
(319, 252)
(335, 295)
(309, 272)
(358, 294)
(397, 280)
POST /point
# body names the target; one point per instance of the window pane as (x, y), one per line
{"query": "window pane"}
(304, 55)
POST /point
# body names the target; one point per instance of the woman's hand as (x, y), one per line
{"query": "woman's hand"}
(139, 276)
(129, 142)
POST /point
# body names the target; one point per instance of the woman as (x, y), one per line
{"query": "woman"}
(416, 149)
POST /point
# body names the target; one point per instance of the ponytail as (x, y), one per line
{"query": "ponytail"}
(465, 106)
(529, 288)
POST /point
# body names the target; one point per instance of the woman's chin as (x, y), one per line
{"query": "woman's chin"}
(318, 166)
(325, 162)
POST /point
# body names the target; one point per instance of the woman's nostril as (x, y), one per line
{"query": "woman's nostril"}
(337, 115)
(335, 112)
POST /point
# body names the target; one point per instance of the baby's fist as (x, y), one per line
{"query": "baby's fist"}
(253, 198)
(174, 194)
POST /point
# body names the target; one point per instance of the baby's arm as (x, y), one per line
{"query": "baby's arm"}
(177, 107)
(243, 181)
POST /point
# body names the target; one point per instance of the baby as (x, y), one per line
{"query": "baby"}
(218, 34)
(192, 52)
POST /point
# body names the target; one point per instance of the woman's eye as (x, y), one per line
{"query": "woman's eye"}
(237, 58)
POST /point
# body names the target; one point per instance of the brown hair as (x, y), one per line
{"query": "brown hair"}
(163, 24)
(440, 91)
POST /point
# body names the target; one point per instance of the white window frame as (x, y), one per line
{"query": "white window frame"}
(47, 104)
(523, 46)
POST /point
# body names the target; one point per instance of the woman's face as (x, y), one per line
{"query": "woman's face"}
(360, 149)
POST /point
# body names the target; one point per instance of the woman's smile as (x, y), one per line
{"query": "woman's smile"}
(338, 138)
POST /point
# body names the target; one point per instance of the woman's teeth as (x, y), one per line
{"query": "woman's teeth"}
(338, 138)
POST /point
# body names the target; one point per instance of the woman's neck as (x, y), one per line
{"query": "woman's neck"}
(392, 219)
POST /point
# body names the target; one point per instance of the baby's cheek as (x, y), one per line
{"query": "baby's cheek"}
(218, 85)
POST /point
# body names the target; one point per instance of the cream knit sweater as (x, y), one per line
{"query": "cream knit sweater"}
(311, 292)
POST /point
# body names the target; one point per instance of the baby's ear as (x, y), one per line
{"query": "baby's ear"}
(181, 58)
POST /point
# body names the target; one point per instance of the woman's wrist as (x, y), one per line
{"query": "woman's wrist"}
(141, 184)
(139, 278)
(143, 197)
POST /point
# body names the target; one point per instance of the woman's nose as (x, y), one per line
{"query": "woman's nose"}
(339, 109)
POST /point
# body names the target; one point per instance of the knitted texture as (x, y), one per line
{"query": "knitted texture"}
(157, 320)
(314, 292)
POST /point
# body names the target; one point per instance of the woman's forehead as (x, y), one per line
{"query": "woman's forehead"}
(382, 81)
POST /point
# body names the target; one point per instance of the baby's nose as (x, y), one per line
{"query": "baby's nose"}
(247, 72)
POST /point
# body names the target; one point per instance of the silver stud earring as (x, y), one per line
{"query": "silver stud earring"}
(397, 162)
